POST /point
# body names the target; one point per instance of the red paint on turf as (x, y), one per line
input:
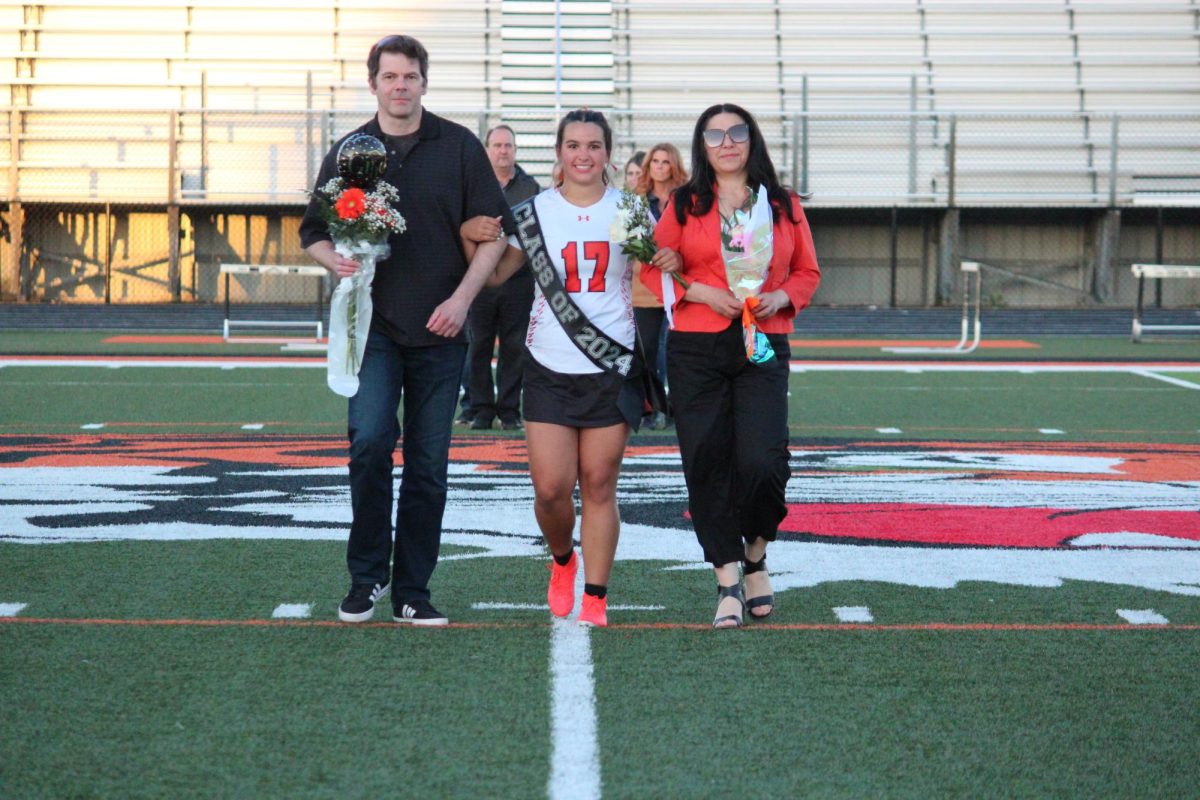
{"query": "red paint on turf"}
(131, 338)
(135, 360)
(1136, 461)
(140, 338)
(992, 366)
(283, 450)
(979, 526)
(996, 344)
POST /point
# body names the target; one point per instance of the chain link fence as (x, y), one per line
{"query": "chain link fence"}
(143, 206)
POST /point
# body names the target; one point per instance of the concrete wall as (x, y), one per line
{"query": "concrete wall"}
(1033, 257)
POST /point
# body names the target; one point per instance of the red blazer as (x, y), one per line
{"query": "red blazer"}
(793, 267)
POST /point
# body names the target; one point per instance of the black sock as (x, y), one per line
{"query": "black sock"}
(595, 590)
(563, 560)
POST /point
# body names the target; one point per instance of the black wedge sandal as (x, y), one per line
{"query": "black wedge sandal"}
(735, 592)
(749, 568)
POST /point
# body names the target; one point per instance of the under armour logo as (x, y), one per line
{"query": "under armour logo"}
(584, 218)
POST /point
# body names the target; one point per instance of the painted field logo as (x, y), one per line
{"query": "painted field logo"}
(924, 514)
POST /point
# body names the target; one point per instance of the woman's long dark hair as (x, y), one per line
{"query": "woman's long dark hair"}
(696, 197)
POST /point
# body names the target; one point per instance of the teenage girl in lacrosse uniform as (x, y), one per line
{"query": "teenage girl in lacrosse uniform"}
(578, 415)
(731, 410)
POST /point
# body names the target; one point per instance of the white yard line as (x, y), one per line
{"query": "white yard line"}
(574, 749)
(545, 607)
(853, 614)
(299, 362)
(292, 611)
(1025, 368)
(1145, 373)
(1146, 616)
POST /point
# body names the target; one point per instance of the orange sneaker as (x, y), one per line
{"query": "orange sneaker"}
(561, 592)
(594, 611)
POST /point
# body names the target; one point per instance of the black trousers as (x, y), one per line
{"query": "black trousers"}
(731, 419)
(499, 313)
(650, 322)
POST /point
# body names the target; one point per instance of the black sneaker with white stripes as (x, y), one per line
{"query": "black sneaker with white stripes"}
(420, 612)
(359, 604)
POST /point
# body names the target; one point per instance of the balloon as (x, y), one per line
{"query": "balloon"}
(361, 161)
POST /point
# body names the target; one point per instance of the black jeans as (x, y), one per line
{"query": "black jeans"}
(731, 419)
(427, 379)
(650, 323)
(502, 313)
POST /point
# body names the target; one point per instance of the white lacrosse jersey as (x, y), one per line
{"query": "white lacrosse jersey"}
(596, 274)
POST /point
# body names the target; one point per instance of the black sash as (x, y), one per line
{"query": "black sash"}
(604, 352)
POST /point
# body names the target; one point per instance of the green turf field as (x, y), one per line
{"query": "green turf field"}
(1102, 406)
(988, 585)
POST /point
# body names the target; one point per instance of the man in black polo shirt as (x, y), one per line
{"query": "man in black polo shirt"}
(421, 294)
(504, 311)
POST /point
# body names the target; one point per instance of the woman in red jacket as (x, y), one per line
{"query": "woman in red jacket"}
(727, 351)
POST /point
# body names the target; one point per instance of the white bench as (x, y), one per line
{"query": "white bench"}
(1143, 271)
(303, 270)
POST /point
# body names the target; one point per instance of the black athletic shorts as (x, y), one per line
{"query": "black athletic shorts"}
(588, 400)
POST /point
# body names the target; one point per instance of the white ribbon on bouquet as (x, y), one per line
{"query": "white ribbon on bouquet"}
(350, 312)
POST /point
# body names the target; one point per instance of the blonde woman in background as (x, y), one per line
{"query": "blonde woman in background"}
(662, 173)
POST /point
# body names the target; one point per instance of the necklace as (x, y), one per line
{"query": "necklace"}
(727, 208)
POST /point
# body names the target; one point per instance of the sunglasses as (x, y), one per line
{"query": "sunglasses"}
(715, 137)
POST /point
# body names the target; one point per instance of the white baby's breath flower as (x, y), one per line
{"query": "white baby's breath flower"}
(618, 230)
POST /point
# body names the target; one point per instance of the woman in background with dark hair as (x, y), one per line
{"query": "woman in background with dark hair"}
(729, 380)
(633, 170)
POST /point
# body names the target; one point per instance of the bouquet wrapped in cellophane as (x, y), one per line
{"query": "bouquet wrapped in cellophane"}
(633, 229)
(357, 207)
(747, 243)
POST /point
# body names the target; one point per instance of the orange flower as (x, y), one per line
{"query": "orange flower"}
(351, 204)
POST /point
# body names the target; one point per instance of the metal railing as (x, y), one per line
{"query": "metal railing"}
(920, 158)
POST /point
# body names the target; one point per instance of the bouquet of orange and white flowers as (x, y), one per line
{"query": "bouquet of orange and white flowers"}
(363, 219)
(357, 208)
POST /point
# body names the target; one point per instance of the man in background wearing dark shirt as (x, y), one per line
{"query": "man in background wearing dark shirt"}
(503, 311)
(421, 294)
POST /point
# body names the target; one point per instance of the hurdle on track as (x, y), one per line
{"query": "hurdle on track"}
(303, 270)
(1143, 271)
(969, 269)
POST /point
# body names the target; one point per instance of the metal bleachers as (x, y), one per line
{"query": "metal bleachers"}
(875, 102)
(140, 52)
